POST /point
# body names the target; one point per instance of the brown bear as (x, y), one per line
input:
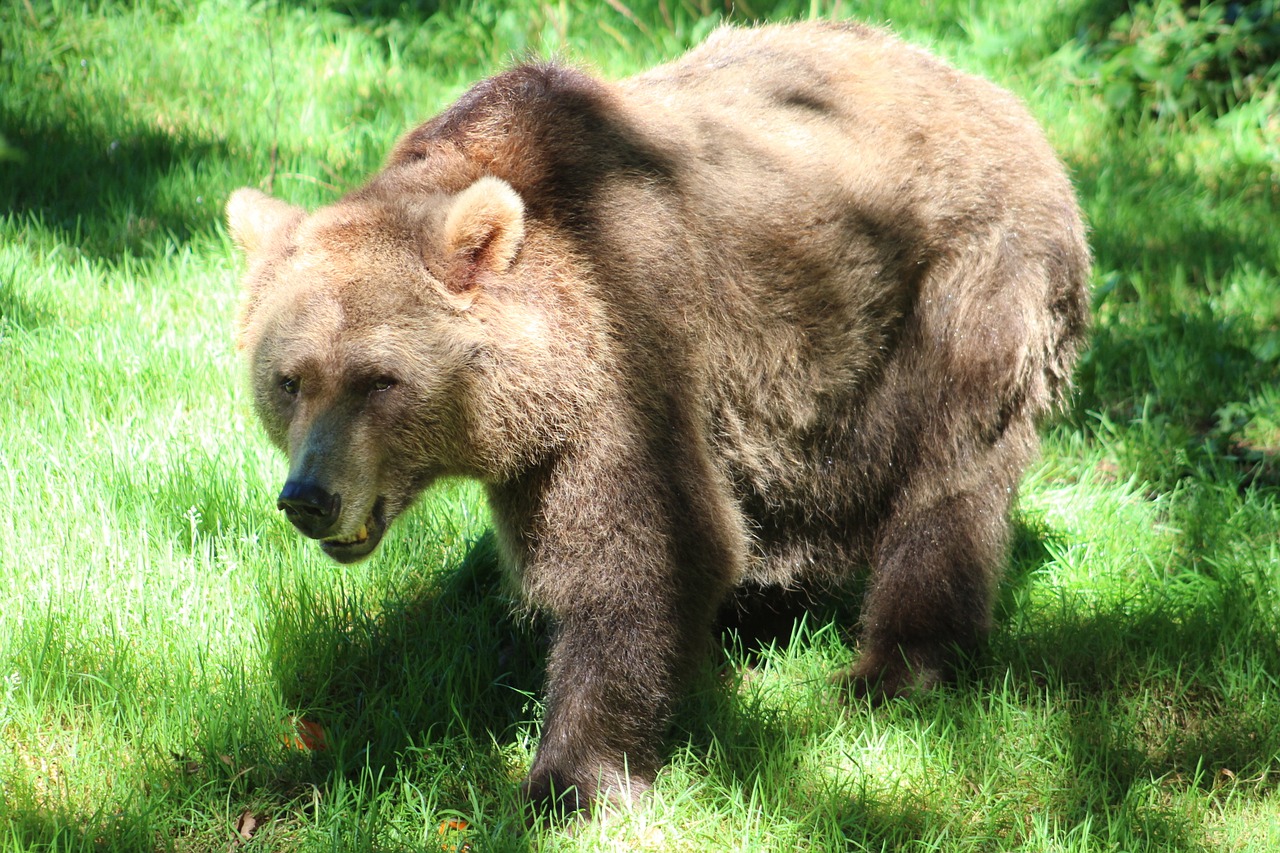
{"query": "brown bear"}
(786, 307)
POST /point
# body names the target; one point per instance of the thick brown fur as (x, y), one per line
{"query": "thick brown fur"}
(788, 307)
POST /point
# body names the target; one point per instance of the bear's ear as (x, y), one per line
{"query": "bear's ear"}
(255, 218)
(482, 232)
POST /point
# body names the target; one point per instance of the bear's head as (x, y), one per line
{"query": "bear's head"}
(368, 330)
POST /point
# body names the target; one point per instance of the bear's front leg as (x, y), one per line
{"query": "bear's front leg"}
(631, 562)
(613, 676)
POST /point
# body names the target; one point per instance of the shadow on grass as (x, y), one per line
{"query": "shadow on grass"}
(1187, 323)
(1143, 709)
(1166, 690)
(436, 690)
(108, 194)
(432, 688)
(1135, 694)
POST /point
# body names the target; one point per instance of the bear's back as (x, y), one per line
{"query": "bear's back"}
(770, 217)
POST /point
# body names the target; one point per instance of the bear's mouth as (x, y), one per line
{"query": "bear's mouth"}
(357, 546)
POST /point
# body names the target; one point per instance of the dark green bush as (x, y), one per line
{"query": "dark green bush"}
(1173, 59)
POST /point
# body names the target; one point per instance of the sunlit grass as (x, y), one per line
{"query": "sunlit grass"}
(162, 629)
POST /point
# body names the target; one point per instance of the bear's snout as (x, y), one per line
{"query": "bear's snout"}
(310, 507)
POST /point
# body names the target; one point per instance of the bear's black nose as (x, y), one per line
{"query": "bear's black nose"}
(311, 508)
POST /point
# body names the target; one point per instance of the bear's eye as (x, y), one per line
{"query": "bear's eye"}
(289, 385)
(382, 383)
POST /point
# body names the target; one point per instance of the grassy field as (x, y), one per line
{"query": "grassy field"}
(180, 671)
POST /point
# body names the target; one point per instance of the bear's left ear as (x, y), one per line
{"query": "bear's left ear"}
(483, 232)
(255, 218)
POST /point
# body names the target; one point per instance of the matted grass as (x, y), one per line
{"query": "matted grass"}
(180, 671)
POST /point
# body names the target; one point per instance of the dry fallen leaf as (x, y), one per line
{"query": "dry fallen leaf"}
(246, 825)
(305, 734)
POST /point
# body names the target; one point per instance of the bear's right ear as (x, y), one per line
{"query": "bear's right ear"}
(483, 232)
(255, 218)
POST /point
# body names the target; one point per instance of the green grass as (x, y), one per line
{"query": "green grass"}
(161, 626)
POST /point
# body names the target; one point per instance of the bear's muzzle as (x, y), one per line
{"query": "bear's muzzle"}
(309, 507)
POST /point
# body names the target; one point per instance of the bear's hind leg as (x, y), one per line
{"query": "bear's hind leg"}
(934, 575)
